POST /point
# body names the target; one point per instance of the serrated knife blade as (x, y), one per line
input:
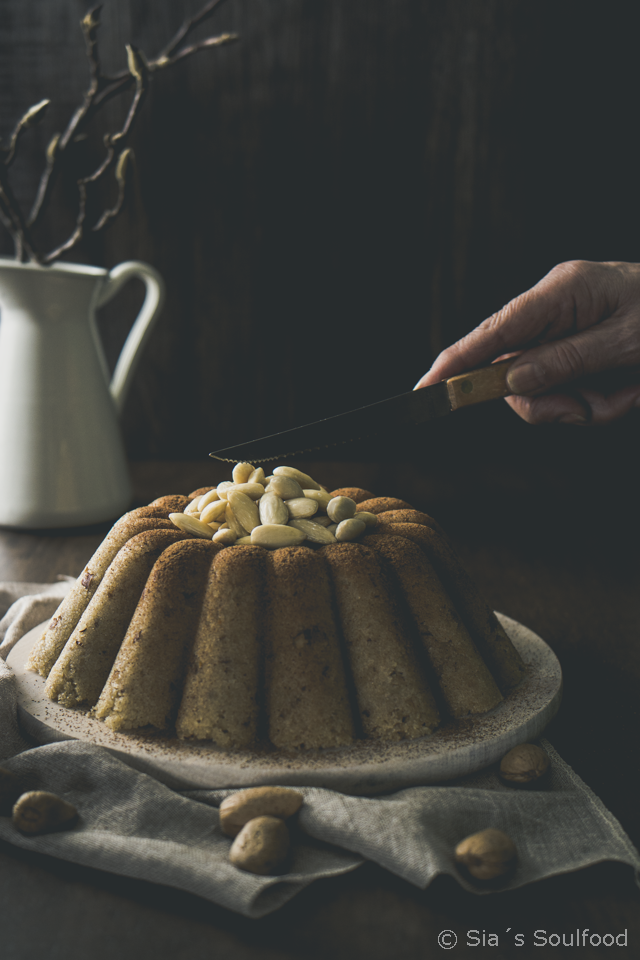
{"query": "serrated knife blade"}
(415, 407)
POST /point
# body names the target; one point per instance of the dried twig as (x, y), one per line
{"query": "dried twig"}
(101, 89)
(113, 155)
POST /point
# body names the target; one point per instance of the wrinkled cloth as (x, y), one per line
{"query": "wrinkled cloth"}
(133, 825)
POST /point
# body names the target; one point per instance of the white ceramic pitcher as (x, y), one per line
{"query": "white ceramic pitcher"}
(62, 461)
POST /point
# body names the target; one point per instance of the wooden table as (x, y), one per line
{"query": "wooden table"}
(520, 525)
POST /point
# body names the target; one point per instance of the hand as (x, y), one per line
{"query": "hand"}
(576, 335)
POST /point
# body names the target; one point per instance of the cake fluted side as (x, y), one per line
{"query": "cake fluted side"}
(144, 685)
(81, 670)
(306, 692)
(221, 696)
(487, 632)
(393, 698)
(51, 644)
(464, 679)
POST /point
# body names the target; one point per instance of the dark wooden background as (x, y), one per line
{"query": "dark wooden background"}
(341, 194)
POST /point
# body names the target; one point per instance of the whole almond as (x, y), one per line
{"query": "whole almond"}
(261, 846)
(243, 806)
(487, 854)
(40, 812)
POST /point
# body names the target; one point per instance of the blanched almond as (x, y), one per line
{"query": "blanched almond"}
(191, 525)
(274, 535)
(324, 521)
(208, 498)
(213, 511)
(253, 490)
(313, 531)
(257, 477)
(243, 541)
(272, 509)
(225, 537)
(223, 487)
(285, 487)
(244, 509)
(241, 472)
(234, 523)
(341, 508)
(301, 507)
(370, 519)
(320, 496)
(350, 529)
(303, 478)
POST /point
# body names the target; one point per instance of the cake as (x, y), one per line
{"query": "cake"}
(365, 627)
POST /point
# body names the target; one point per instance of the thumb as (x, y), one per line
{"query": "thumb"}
(606, 346)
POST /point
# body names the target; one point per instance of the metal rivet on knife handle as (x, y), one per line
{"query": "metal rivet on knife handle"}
(476, 386)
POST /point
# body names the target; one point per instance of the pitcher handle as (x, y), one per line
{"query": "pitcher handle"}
(142, 326)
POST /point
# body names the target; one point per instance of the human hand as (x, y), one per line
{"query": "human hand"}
(577, 339)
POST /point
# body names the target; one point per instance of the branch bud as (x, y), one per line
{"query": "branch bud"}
(122, 164)
(52, 149)
(91, 19)
(135, 63)
(34, 114)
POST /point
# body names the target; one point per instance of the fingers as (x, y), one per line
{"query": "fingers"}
(573, 298)
(574, 294)
(610, 345)
(580, 408)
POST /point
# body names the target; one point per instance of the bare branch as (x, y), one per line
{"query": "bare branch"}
(33, 116)
(139, 72)
(89, 25)
(218, 41)
(12, 212)
(187, 27)
(76, 235)
(101, 89)
(121, 176)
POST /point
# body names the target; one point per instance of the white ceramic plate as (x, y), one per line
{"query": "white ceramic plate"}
(365, 768)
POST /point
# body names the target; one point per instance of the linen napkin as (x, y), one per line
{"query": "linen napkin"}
(133, 825)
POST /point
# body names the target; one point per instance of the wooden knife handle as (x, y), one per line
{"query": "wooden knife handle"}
(476, 386)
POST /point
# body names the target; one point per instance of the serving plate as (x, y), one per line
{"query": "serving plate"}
(454, 750)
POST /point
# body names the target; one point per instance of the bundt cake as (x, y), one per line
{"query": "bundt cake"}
(268, 612)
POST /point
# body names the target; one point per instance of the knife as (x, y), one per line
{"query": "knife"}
(417, 406)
